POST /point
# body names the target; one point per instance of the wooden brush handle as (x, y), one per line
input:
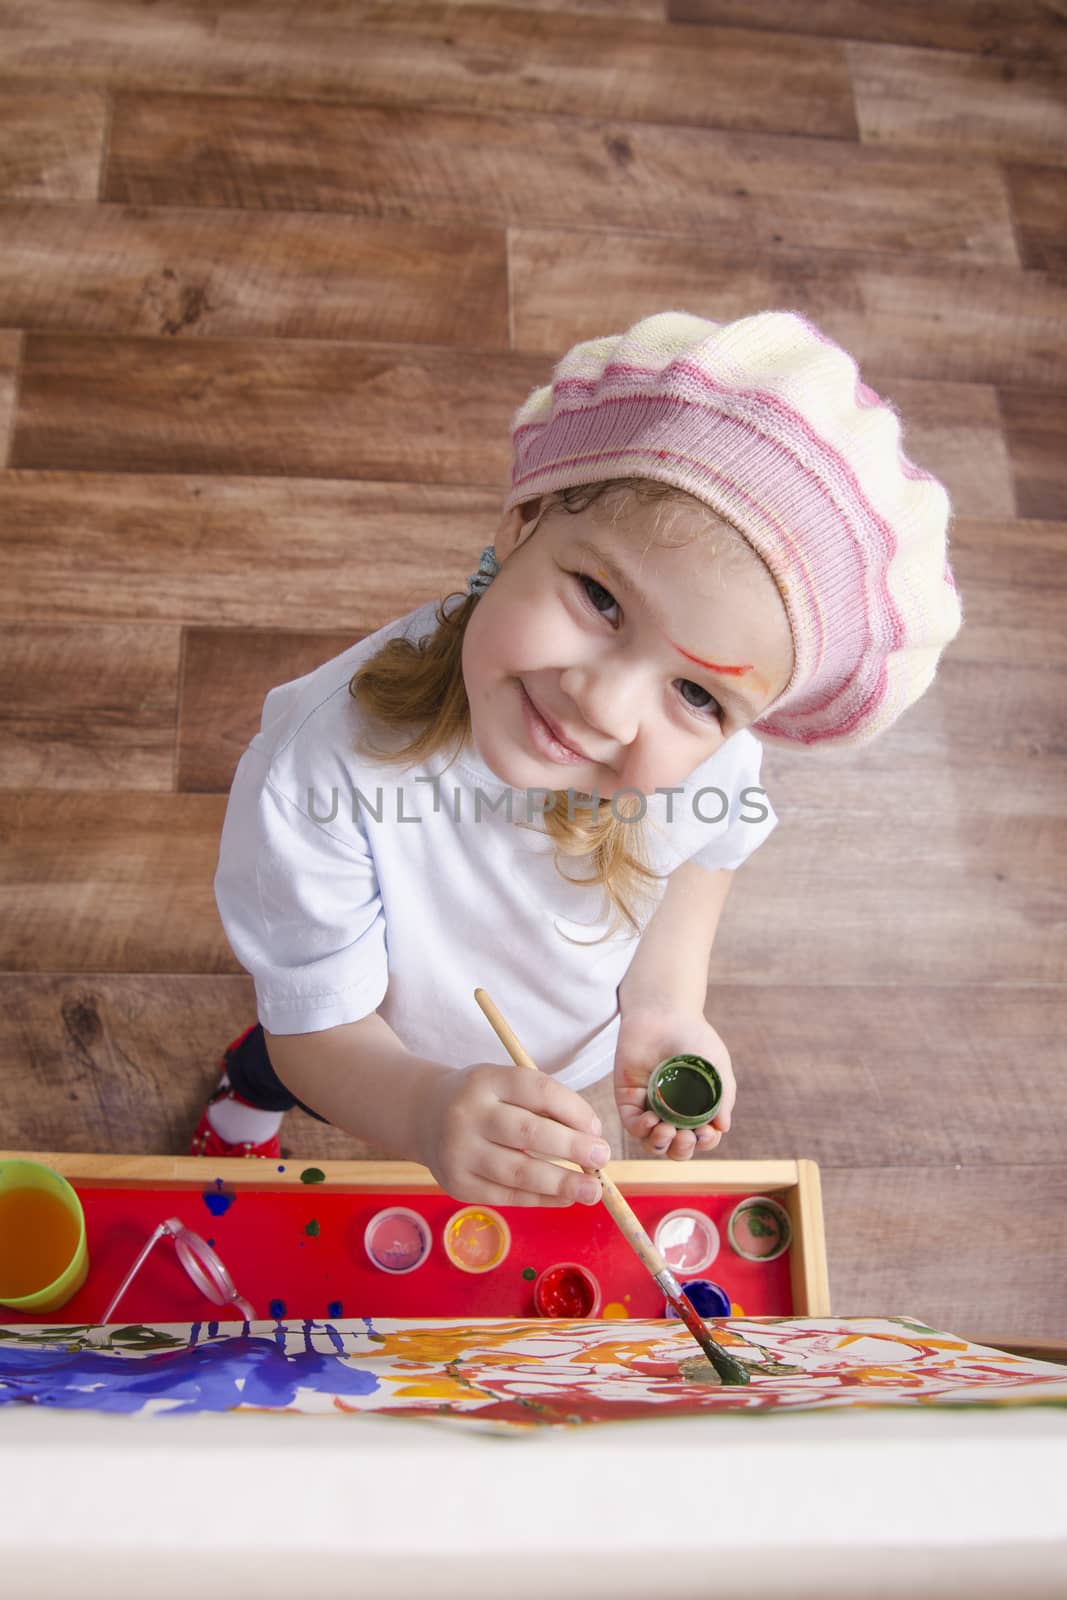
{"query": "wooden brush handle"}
(619, 1207)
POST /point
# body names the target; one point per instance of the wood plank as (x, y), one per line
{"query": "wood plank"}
(10, 357)
(1007, 571)
(51, 139)
(973, 898)
(89, 708)
(982, 1247)
(948, 103)
(916, 315)
(119, 1063)
(280, 408)
(1028, 29)
(647, 10)
(195, 549)
(413, 53)
(410, 163)
(215, 727)
(877, 1076)
(1039, 206)
(99, 884)
(1035, 426)
(180, 272)
(125, 1061)
(97, 888)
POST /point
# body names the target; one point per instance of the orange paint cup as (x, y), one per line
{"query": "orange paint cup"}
(43, 1256)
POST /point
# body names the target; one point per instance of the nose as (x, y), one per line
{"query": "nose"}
(606, 701)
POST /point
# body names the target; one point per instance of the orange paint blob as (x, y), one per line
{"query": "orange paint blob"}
(38, 1238)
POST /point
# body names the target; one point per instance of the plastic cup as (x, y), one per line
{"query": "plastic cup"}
(58, 1222)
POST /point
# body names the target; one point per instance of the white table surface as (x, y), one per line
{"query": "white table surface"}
(859, 1504)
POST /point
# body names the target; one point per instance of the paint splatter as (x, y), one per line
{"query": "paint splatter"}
(313, 1175)
(277, 1309)
(312, 1228)
(335, 1309)
(281, 1169)
(528, 1273)
(218, 1204)
(212, 1377)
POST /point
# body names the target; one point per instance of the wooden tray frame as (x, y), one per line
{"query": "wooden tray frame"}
(794, 1184)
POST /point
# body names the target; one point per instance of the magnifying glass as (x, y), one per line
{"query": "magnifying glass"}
(200, 1262)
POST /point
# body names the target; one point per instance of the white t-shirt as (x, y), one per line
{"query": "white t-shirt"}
(347, 886)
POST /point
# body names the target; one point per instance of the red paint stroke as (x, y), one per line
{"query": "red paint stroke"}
(711, 665)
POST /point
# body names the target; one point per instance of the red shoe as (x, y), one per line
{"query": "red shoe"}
(206, 1142)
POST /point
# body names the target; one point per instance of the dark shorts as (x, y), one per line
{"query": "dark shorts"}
(254, 1078)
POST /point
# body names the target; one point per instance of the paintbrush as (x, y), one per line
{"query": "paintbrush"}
(729, 1370)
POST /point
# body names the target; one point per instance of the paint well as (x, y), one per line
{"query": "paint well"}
(759, 1229)
(476, 1239)
(566, 1289)
(397, 1239)
(706, 1298)
(687, 1240)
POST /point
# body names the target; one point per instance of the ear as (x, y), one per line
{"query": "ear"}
(514, 528)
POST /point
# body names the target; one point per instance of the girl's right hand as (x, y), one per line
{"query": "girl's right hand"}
(491, 1134)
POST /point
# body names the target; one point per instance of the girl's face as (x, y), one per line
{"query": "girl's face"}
(597, 661)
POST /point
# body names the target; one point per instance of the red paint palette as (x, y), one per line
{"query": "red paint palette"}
(298, 1249)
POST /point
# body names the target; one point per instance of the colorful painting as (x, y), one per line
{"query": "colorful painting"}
(505, 1373)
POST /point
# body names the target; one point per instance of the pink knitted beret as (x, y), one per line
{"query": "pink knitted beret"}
(768, 421)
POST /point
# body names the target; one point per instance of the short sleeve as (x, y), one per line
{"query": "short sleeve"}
(755, 821)
(722, 814)
(301, 907)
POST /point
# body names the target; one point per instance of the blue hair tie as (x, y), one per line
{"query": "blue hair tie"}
(488, 568)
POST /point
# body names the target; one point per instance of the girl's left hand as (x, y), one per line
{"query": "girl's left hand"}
(647, 1037)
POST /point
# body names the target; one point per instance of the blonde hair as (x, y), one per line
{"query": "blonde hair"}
(419, 685)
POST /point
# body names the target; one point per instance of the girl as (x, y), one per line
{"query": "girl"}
(712, 539)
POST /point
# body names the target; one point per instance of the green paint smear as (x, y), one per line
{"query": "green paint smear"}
(313, 1175)
(528, 1273)
(761, 1223)
(312, 1228)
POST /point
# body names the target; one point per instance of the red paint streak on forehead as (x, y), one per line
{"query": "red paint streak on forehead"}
(712, 666)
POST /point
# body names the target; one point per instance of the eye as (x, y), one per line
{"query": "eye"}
(708, 703)
(598, 594)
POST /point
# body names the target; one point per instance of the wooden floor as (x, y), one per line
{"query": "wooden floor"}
(272, 281)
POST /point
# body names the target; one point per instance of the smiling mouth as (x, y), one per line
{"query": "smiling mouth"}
(579, 755)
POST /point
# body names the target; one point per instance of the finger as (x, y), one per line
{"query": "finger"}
(660, 1136)
(638, 1127)
(518, 1130)
(520, 1173)
(536, 1092)
(683, 1146)
(707, 1138)
(481, 1192)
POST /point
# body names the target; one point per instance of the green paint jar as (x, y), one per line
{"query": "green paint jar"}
(685, 1091)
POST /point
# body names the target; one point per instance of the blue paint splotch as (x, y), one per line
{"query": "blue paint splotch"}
(277, 1309)
(335, 1309)
(208, 1377)
(217, 1202)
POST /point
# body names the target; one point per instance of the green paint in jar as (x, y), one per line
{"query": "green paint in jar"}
(685, 1091)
